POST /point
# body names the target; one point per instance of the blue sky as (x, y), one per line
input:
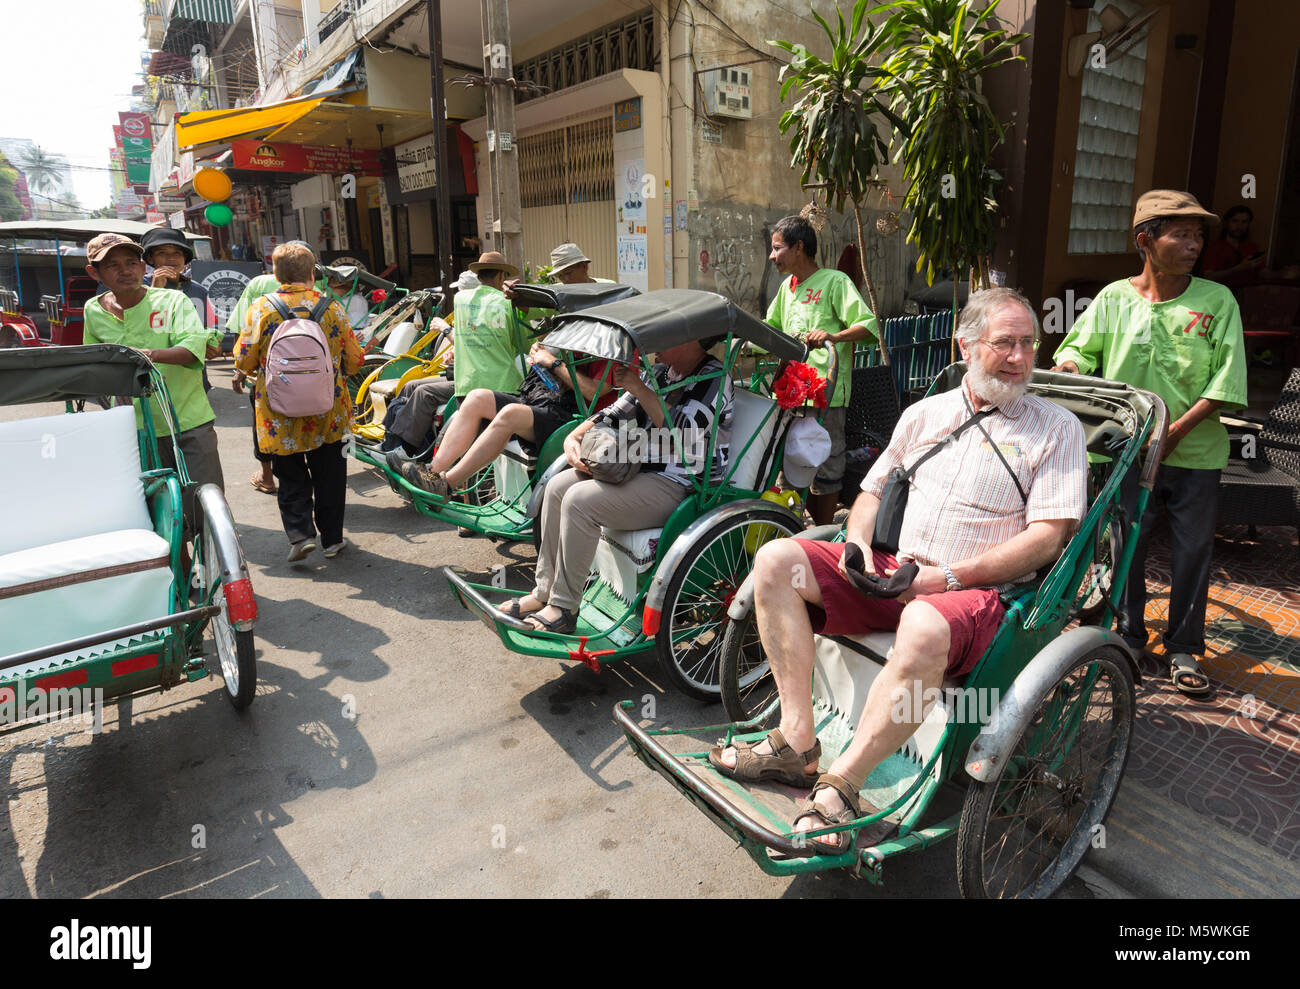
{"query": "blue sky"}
(70, 66)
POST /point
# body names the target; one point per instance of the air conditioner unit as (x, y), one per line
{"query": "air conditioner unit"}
(729, 93)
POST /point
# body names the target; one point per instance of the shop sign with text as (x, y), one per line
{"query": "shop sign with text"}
(267, 156)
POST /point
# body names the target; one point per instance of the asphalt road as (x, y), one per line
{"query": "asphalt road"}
(394, 749)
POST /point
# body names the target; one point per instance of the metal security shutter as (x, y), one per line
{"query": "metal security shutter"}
(566, 183)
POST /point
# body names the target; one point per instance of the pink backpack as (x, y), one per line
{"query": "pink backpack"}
(299, 369)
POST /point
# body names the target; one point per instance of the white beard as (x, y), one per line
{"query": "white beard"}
(993, 389)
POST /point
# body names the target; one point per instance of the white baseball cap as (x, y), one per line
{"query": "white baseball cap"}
(807, 445)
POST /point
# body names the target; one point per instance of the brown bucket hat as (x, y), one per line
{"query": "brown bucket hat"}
(1160, 203)
(496, 261)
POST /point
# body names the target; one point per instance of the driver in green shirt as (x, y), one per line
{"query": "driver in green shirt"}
(1179, 337)
(819, 304)
(487, 344)
(163, 324)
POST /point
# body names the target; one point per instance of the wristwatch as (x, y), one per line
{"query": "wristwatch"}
(953, 583)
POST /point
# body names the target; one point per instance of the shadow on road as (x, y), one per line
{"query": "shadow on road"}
(181, 795)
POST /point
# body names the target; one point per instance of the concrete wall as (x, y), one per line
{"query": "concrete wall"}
(567, 29)
(746, 183)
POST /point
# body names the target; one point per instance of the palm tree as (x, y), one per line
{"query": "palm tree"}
(832, 127)
(42, 170)
(943, 50)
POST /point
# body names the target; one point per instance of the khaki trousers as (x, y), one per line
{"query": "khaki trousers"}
(573, 511)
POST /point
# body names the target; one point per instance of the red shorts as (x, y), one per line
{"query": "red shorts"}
(973, 615)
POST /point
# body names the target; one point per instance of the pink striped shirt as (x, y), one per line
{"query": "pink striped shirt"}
(963, 501)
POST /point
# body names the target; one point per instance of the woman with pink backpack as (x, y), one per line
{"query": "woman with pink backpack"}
(301, 346)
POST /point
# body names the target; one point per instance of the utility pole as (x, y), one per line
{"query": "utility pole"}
(438, 111)
(503, 154)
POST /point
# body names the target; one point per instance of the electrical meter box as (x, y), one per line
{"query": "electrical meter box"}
(729, 93)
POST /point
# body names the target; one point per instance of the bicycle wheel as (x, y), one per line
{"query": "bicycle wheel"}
(748, 687)
(236, 650)
(689, 641)
(1110, 544)
(1023, 833)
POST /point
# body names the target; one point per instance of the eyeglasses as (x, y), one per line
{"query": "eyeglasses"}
(1005, 345)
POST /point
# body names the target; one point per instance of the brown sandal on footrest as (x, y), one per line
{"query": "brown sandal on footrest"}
(843, 839)
(783, 764)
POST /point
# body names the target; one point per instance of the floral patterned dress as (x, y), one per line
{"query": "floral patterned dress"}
(283, 435)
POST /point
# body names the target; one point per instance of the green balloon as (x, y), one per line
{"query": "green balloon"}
(218, 214)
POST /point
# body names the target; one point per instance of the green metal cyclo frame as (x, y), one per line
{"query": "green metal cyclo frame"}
(1035, 616)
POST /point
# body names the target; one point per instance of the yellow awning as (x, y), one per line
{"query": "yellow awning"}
(204, 127)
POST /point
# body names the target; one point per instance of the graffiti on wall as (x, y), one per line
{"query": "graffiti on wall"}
(730, 245)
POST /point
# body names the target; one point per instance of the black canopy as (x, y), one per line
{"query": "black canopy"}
(55, 374)
(665, 318)
(570, 298)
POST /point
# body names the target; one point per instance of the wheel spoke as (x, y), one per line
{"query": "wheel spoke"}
(1058, 783)
(697, 618)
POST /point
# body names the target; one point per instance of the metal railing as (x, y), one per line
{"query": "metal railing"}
(335, 19)
(919, 348)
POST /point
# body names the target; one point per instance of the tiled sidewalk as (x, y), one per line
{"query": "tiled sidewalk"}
(1235, 756)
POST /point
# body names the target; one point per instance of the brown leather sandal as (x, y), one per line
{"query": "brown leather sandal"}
(843, 839)
(783, 764)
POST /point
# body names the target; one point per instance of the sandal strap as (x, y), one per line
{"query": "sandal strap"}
(778, 743)
(841, 786)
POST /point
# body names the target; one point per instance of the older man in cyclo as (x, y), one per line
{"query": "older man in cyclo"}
(996, 501)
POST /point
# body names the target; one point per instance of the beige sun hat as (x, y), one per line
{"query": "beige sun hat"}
(566, 256)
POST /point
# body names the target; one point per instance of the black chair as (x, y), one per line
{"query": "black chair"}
(869, 420)
(1265, 489)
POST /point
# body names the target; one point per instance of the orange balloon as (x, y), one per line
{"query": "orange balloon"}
(212, 184)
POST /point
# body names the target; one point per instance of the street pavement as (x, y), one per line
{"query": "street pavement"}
(396, 749)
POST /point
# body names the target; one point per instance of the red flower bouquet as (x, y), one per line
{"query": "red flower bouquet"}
(378, 295)
(798, 385)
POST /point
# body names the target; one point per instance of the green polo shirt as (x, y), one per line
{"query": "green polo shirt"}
(827, 300)
(485, 339)
(163, 318)
(254, 290)
(1184, 350)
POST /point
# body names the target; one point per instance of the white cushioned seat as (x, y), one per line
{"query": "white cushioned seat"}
(126, 548)
(842, 678)
(383, 388)
(68, 476)
(512, 470)
(399, 341)
(85, 558)
(623, 554)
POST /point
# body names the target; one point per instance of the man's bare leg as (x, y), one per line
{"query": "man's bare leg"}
(479, 405)
(783, 586)
(916, 663)
(513, 420)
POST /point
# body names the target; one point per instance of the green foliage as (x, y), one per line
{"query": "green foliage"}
(542, 276)
(942, 49)
(833, 126)
(10, 207)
